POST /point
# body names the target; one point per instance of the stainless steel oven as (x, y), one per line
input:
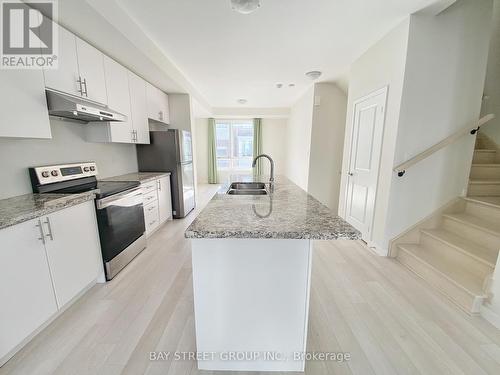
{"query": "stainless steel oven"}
(121, 229)
(120, 216)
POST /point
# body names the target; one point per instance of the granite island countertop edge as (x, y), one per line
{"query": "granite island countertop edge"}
(293, 214)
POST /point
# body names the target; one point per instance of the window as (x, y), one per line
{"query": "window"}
(234, 140)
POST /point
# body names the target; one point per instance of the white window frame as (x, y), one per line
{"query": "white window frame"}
(231, 167)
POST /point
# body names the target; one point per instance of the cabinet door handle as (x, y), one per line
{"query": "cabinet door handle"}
(86, 91)
(49, 227)
(79, 81)
(42, 235)
(159, 185)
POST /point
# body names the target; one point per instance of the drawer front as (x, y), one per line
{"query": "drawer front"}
(150, 197)
(151, 216)
(149, 186)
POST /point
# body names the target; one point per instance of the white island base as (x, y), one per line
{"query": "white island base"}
(251, 300)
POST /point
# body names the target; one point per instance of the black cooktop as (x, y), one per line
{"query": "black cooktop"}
(107, 188)
(102, 189)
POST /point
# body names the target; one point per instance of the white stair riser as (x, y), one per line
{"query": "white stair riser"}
(485, 212)
(481, 190)
(485, 172)
(484, 157)
(455, 257)
(457, 294)
(471, 233)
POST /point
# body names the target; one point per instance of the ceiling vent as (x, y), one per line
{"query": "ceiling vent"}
(245, 6)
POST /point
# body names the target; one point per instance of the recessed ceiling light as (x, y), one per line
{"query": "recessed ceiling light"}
(245, 6)
(279, 85)
(314, 74)
(242, 101)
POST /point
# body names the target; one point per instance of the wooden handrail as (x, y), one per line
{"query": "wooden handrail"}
(401, 168)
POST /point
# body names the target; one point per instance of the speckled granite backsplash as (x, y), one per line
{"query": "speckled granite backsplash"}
(287, 213)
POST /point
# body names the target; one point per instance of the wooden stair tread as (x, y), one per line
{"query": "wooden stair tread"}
(472, 284)
(487, 226)
(490, 201)
(471, 248)
(485, 150)
(484, 181)
(487, 165)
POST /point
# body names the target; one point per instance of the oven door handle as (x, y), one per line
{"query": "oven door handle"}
(112, 200)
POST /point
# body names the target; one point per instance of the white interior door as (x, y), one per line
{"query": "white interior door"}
(366, 144)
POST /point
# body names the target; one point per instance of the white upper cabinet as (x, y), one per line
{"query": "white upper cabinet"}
(66, 77)
(138, 108)
(91, 66)
(26, 292)
(118, 100)
(157, 104)
(80, 69)
(24, 106)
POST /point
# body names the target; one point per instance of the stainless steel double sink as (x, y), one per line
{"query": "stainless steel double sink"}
(247, 188)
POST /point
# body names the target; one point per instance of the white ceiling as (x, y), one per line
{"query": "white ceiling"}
(227, 55)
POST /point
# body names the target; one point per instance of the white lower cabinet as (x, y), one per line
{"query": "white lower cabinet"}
(73, 250)
(164, 199)
(157, 203)
(26, 292)
(44, 264)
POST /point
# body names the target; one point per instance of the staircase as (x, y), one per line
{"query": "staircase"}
(456, 252)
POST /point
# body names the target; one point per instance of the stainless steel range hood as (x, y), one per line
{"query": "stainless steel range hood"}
(66, 106)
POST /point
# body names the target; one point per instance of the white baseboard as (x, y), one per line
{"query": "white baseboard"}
(379, 250)
(491, 316)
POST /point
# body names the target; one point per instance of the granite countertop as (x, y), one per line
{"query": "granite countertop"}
(22, 208)
(287, 213)
(142, 177)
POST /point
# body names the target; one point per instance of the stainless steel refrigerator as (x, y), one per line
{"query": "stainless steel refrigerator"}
(171, 151)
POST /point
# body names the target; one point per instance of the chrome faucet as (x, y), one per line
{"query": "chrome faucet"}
(271, 178)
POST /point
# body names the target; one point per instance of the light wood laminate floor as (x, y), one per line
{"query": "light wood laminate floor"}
(372, 307)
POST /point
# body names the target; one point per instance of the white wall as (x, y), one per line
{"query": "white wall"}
(201, 150)
(181, 117)
(444, 78)
(273, 135)
(492, 85)
(327, 144)
(298, 139)
(382, 65)
(67, 145)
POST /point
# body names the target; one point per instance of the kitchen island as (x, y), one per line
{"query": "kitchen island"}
(251, 276)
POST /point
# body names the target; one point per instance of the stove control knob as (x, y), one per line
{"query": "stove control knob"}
(45, 174)
(92, 168)
(54, 173)
(86, 169)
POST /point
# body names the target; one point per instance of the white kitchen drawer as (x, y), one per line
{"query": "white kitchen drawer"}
(150, 197)
(151, 217)
(149, 186)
